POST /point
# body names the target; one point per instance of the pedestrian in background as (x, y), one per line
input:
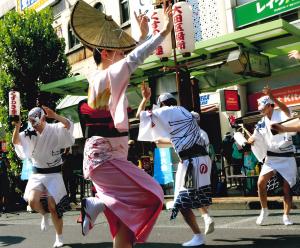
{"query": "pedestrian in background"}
(236, 162)
(133, 155)
(68, 174)
(4, 182)
(226, 152)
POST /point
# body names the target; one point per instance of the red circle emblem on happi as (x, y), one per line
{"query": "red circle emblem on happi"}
(203, 168)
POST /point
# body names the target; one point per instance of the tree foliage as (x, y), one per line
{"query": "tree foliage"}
(31, 54)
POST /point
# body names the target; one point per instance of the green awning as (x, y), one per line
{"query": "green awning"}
(76, 85)
(274, 39)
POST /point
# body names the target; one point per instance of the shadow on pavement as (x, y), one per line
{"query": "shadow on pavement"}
(235, 215)
(245, 215)
(274, 241)
(10, 240)
(109, 245)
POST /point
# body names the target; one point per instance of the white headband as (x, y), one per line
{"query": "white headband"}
(35, 115)
(263, 101)
(164, 97)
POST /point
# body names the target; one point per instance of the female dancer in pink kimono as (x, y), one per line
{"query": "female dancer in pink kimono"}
(130, 199)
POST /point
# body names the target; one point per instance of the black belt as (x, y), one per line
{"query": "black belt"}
(194, 151)
(50, 170)
(277, 154)
(103, 131)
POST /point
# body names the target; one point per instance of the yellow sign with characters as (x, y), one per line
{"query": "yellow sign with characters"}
(34, 4)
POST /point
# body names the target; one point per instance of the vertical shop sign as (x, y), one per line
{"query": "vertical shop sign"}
(261, 9)
(232, 102)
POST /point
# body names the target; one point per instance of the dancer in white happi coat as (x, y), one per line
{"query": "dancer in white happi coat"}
(42, 146)
(175, 124)
(279, 156)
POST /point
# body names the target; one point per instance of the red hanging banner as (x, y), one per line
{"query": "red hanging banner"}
(289, 95)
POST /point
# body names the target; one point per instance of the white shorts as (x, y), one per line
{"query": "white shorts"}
(285, 166)
(52, 184)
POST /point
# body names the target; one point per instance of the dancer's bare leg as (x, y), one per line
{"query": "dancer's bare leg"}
(124, 237)
(287, 198)
(262, 193)
(57, 222)
(262, 188)
(287, 203)
(34, 201)
(190, 219)
(203, 210)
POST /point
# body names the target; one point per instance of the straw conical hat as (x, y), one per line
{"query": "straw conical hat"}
(97, 30)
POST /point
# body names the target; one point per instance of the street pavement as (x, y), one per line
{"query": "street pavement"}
(234, 228)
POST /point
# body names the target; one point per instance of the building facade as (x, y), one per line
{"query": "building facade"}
(240, 45)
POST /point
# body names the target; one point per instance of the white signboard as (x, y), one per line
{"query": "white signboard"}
(34, 4)
(209, 99)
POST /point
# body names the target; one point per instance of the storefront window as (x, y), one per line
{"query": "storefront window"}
(124, 9)
(99, 6)
(73, 41)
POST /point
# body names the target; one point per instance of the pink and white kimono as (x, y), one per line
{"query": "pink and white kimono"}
(130, 195)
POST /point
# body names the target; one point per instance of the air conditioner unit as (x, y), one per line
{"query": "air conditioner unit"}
(237, 61)
(249, 63)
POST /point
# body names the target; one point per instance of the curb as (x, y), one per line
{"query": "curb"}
(242, 203)
(235, 203)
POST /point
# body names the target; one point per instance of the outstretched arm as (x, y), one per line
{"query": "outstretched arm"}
(140, 53)
(142, 21)
(51, 114)
(267, 91)
(146, 93)
(282, 129)
(16, 134)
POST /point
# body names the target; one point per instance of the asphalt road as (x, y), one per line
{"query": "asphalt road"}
(234, 228)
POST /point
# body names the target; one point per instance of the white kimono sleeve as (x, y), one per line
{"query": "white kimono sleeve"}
(65, 136)
(259, 147)
(24, 150)
(152, 126)
(119, 74)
